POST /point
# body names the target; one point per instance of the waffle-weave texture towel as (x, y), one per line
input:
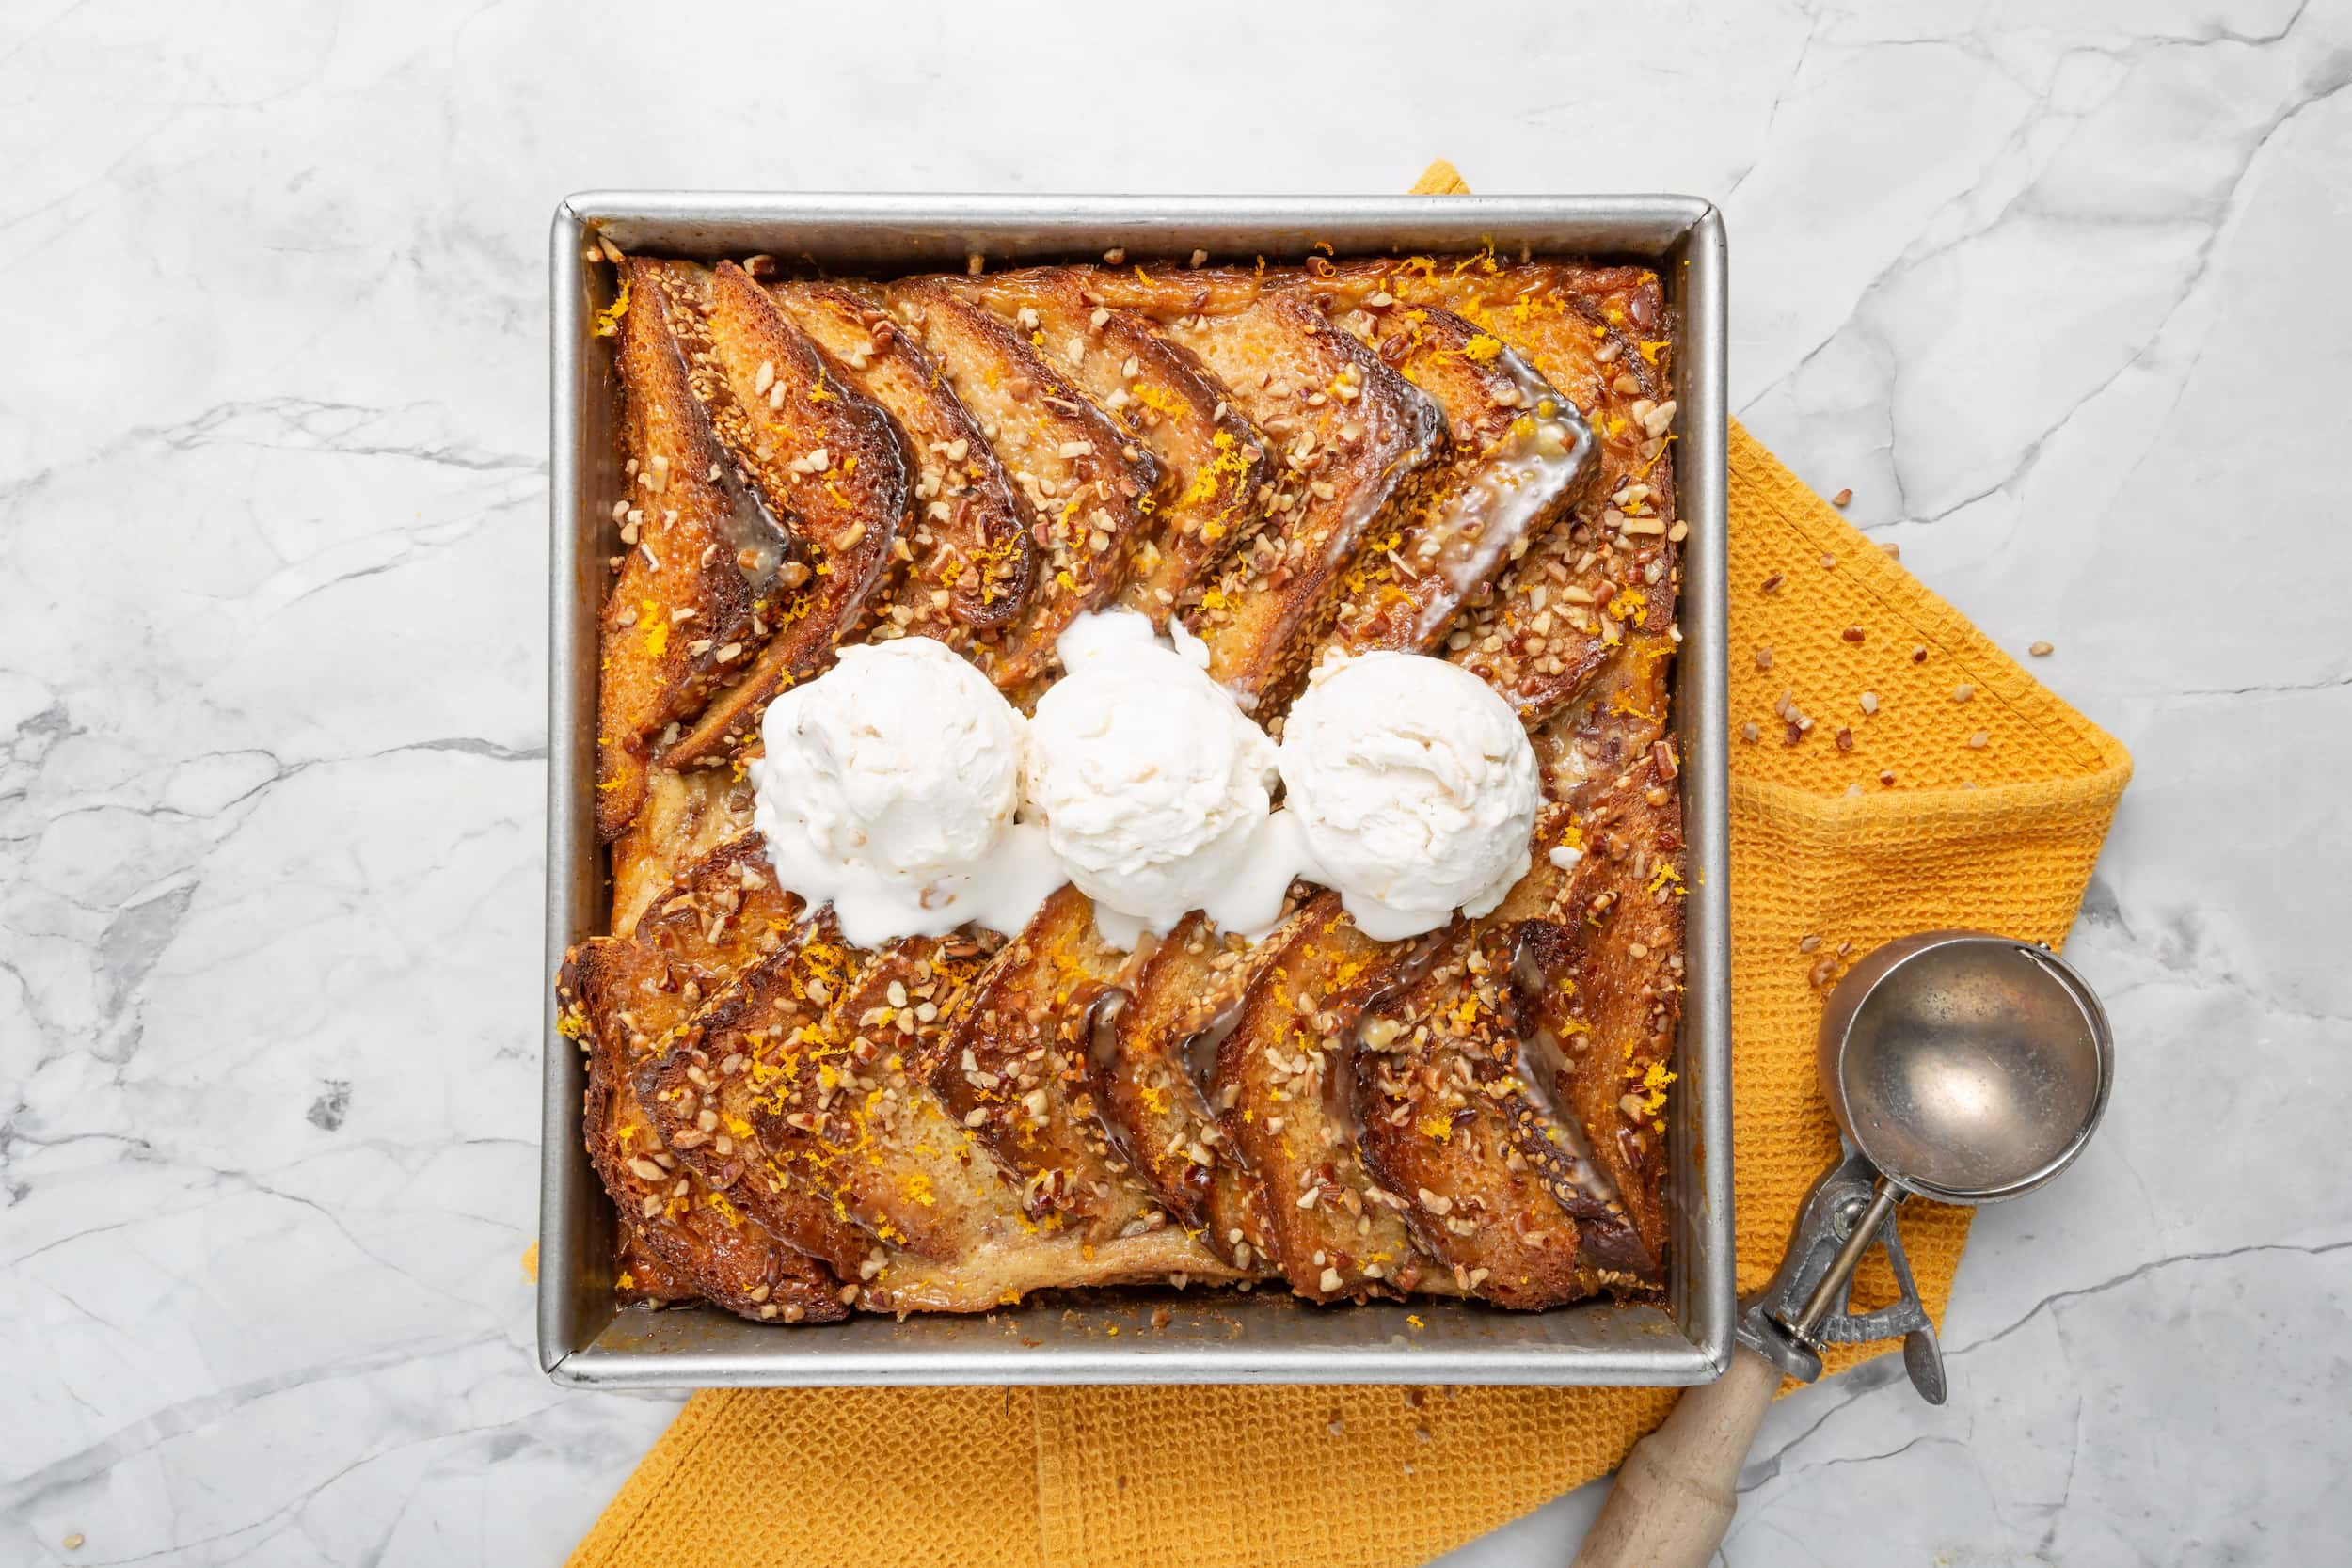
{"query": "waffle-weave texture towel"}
(1995, 813)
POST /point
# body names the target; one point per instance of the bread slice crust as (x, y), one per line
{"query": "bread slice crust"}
(1351, 440)
(1081, 481)
(1213, 463)
(815, 449)
(965, 571)
(1285, 1091)
(701, 553)
(1515, 454)
(622, 998)
(1602, 337)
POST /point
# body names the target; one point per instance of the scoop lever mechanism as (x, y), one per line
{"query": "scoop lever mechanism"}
(1805, 1305)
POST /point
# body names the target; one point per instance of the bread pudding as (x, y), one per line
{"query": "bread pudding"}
(1284, 471)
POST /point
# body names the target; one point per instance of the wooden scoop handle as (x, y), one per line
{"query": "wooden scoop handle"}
(1674, 1496)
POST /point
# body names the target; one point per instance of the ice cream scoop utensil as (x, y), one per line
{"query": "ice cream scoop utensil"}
(1961, 1067)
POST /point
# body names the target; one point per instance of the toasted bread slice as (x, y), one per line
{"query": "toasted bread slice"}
(793, 1090)
(1518, 450)
(1450, 1123)
(641, 1278)
(904, 1168)
(1156, 1081)
(722, 1089)
(1285, 1089)
(1607, 749)
(970, 539)
(1603, 337)
(685, 816)
(814, 450)
(1620, 717)
(693, 1229)
(1015, 1070)
(622, 997)
(1351, 436)
(830, 1132)
(720, 914)
(1212, 460)
(1602, 972)
(702, 553)
(1082, 478)
(833, 1110)
(1519, 1061)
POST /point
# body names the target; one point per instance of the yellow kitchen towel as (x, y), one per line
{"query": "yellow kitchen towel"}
(1938, 784)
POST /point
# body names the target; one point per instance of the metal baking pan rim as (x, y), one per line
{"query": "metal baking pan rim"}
(585, 1342)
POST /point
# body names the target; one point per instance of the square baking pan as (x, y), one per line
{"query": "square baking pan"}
(1118, 1336)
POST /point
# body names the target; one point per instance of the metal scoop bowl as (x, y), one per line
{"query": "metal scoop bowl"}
(1961, 1068)
(1966, 1068)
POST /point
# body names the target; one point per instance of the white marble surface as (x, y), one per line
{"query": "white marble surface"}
(2055, 288)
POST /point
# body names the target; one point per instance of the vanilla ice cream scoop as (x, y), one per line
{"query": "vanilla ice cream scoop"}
(1153, 786)
(890, 788)
(1414, 789)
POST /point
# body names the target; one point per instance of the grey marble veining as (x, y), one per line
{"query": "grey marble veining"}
(2055, 288)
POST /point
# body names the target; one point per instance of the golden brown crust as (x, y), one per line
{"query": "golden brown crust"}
(1604, 338)
(685, 816)
(1284, 1088)
(1449, 1126)
(693, 1084)
(1080, 478)
(622, 998)
(1606, 965)
(1511, 466)
(1156, 1080)
(1213, 462)
(833, 1108)
(880, 1029)
(684, 603)
(970, 539)
(754, 1095)
(814, 450)
(716, 917)
(1016, 1070)
(690, 1228)
(1351, 438)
